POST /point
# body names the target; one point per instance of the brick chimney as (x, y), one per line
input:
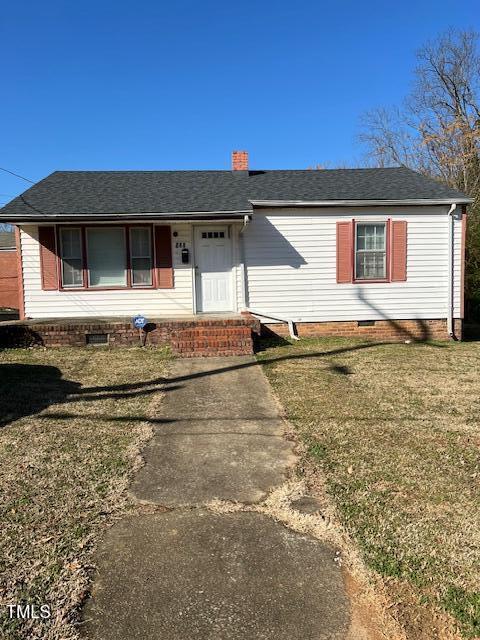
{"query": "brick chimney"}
(239, 160)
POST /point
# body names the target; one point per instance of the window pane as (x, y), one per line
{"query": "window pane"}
(141, 256)
(106, 257)
(379, 237)
(141, 271)
(371, 237)
(371, 266)
(361, 231)
(140, 242)
(71, 243)
(72, 272)
(71, 254)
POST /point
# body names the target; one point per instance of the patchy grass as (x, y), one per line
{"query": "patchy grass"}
(71, 424)
(394, 430)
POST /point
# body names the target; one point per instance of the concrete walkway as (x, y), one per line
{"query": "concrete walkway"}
(193, 574)
(219, 435)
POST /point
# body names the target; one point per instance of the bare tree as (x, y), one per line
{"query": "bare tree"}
(321, 166)
(437, 129)
(388, 138)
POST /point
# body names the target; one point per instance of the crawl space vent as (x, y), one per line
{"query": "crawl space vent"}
(97, 338)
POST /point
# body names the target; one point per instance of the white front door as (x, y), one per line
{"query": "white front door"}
(213, 269)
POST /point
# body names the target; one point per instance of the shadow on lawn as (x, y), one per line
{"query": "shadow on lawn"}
(117, 390)
(29, 389)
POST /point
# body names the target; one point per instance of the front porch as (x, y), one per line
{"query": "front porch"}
(191, 336)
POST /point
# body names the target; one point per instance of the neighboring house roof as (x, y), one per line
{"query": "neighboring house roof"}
(7, 240)
(70, 194)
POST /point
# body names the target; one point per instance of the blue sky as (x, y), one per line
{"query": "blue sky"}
(178, 85)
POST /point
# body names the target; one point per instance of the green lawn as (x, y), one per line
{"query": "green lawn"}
(394, 429)
(71, 424)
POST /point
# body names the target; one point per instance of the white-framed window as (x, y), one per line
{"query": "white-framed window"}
(71, 257)
(106, 257)
(371, 251)
(113, 257)
(141, 256)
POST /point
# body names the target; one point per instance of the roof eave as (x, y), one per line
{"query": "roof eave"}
(360, 203)
(117, 217)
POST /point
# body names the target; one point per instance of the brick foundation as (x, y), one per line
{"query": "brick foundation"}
(210, 337)
(387, 330)
(187, 338)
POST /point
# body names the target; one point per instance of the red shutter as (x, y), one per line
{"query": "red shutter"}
(398, 259)
(344, 251)
(163, 257)
(48, 258)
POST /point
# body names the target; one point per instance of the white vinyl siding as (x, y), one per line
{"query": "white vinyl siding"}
(291, 266)
(175, 302)
(290, 272)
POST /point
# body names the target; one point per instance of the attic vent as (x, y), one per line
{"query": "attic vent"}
(96, 338)
(366, 323)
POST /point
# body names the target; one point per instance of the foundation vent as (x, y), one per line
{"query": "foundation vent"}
(96, 339)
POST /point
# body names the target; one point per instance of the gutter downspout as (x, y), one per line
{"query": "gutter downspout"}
(451, 221)
(291, 325)
(246, 220)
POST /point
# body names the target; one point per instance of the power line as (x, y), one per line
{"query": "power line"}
(17, 175)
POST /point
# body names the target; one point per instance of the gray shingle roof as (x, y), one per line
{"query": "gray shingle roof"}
(70, 193)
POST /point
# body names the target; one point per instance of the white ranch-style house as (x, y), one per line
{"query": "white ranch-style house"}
(378, 251)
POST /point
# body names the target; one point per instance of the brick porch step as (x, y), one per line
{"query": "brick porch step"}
(213, 341)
